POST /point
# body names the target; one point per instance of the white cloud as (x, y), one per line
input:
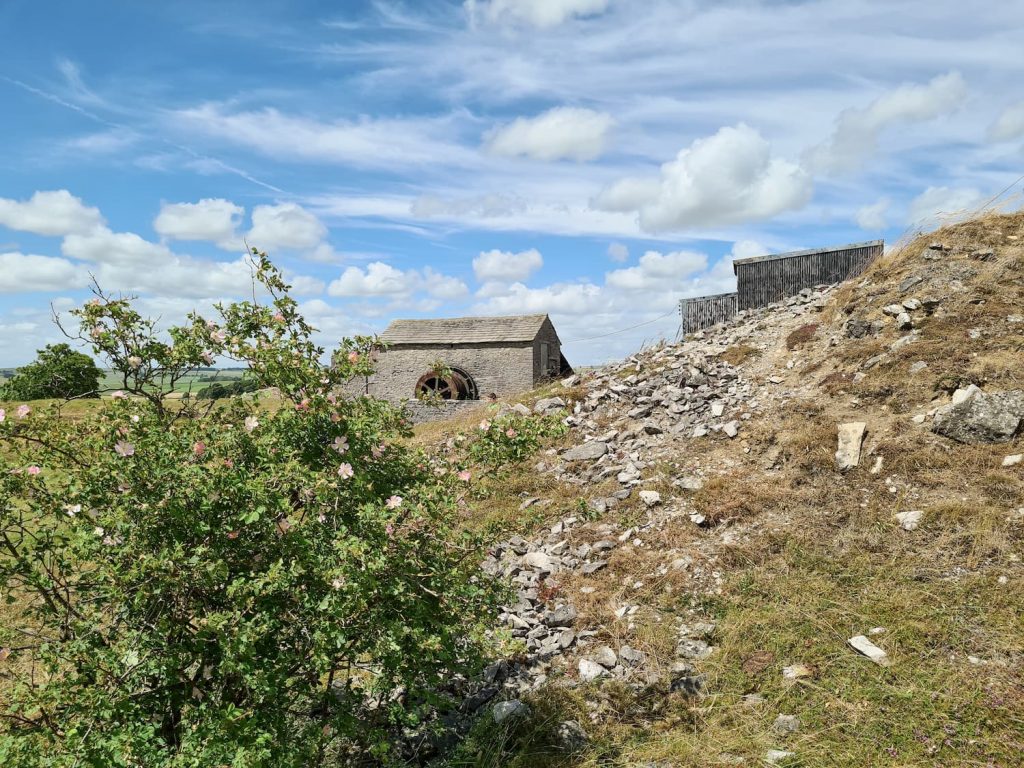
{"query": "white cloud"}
(618, 252)
(23, 273)
(54, 213)
(728, 178)
(127, 249)
(103, 142)
(856, 130)
(873, 217)
(940, 205)
(1009, 125)
(655, 271)
(212, 219)
(383, 280)
(561, 133)
(506, 267)
(535, 13)
(286, 226)
(745, 249)
(364, 143)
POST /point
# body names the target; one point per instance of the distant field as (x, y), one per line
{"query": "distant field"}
(195, 382)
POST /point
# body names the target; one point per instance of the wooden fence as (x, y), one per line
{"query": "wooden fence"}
(704, 311)
(764, 280)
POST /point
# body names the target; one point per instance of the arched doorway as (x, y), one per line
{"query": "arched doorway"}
(452, 384)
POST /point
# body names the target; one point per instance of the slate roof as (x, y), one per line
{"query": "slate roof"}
(464, 330)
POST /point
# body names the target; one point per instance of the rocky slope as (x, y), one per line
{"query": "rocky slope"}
(850, 440)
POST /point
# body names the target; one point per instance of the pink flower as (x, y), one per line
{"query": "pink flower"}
(378, 450)
(33, 470)
(353, 357)
(229, 463)
(465, 475)
(124, 449)
(393, 502)
(94, 302)
(232, 535)
(218, 336)
(3, 415)
(278, 318)
(207, 357)
(345, 471)
(340, 444)
(118, 395)
(135, 361)
(251, 422)
(511, 432)
(199, 448)
(23, 411)
(96, 332)
(389, 529)
(335, 417)
(303, 405)
(484, 426)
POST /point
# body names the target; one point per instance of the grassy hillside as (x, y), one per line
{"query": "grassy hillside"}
(796, 557)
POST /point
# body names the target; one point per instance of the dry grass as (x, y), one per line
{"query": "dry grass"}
(801, 336)
(738, 354)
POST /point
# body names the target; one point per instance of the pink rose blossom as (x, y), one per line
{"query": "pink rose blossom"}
(345, 471)
(251, 422)
(465, 475)
(484, 426)
(118, 395)
(135, 361)
(229, 463)
(3, 415)
(207, 357)
(335, 417)
(303, 405)
(124, 449)
(278, 318)
(389, 529)
(96, 332)
(33, 470)
(23, 411)
(393, 502)
(511, 433)
(218, 336)
(353, 357)
(199, 448)
(340, 444)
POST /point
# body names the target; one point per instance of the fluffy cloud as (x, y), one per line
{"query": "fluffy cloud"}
(873, 217)
(285, 226)
(383, 280)
(657, 270)
(938, 205)
(212, 219)
(618, 252)
(54, 213)
(127, 249)
(1009, 125)
(856, 131)
(535, 13)
(561, 133)
(728, 178)
(23, 273)
(505, 267)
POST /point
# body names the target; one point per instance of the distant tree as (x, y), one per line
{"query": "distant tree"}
(59, 371)
(220, 390)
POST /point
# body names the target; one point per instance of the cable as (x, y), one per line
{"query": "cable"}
(623, 330)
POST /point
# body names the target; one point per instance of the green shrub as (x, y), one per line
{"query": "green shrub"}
(513, 437)
(59, 371)
(220, 390)
(231, 587)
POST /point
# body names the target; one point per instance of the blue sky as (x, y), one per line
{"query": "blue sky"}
(594, 159)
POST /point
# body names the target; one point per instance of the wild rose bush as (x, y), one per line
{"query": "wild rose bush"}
(512, 437)
(232, 585)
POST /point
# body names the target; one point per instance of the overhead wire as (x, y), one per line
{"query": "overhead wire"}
(623, 330)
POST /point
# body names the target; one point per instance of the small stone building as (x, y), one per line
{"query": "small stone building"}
(466, 358)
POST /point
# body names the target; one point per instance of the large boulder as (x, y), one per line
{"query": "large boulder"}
(981, 417)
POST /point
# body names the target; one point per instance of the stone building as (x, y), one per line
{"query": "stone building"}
(466, 358)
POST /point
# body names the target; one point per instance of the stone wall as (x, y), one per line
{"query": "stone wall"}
(547, 336)
(504, 369)
(420, 412)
